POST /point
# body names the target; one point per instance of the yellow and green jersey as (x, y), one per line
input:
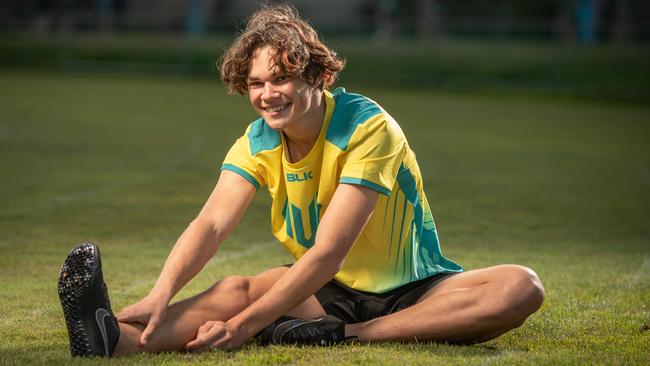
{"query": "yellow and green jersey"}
(359, 143)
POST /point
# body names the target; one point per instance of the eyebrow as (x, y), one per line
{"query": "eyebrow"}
(255, 78)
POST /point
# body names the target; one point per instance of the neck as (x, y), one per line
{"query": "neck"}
(302, 135)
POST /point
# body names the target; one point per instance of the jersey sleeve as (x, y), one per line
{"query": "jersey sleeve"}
(374, 155)
(240, 161)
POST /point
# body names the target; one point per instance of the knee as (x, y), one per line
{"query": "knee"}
(532, 291)
(520, 294)
(232, 288)
(234, 284)
(523, 294)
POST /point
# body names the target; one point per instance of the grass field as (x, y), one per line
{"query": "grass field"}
(559, 186)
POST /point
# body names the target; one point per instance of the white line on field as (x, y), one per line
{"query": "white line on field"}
(220, 257)
(250, 250)
(191, 150)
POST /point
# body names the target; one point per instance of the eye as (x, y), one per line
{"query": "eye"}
(280, 79)
(254, 84)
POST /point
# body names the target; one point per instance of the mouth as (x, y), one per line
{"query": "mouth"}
(276, 108)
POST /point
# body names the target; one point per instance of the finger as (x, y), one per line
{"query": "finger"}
(218, 344)
(146, 335)
(125, 314)
(198, 340)
(205, 348)
(131, 314)
(203, 338)
(191, 345)
(223, 342)
(205, 327)
(129, 317)
(201, 341)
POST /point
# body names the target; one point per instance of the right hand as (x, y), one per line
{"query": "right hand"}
(150, 312)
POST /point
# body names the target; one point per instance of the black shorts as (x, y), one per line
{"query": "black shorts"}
(354, 306)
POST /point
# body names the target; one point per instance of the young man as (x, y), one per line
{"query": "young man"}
(348, 203)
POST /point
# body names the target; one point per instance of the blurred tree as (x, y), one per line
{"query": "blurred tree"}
(43, 19)
(586, 15)
(428, 19)
(583, 20)
(384, 14)
(564, 25)
(617, 22)
(105, 12)
(195, 17)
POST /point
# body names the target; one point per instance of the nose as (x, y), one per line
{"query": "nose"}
(269, 90)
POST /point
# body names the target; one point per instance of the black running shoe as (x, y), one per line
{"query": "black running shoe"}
(92, 327)
(323, 331)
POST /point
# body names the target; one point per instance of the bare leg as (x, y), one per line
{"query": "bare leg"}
(222, 301)
(470, 307)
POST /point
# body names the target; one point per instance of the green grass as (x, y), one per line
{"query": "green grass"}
(559, 186)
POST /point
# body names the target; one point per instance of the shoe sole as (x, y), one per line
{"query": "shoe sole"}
(75, 279)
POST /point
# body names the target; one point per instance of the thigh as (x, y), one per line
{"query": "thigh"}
(260, 283)
(474, 278)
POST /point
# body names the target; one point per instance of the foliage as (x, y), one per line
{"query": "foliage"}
(601, 72)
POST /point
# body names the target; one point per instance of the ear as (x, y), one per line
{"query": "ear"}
(325, 81)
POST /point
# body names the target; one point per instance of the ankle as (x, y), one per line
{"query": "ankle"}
(129, 341)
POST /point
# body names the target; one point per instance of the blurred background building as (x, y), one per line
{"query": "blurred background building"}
(586, 21)
(573, 47)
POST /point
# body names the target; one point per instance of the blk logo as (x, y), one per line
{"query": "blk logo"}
(299, 177)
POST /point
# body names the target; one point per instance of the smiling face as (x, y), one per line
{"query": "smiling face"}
(284, 103)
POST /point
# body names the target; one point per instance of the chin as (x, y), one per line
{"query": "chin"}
(275, 124)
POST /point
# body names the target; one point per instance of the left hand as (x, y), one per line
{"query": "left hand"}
(216, 334)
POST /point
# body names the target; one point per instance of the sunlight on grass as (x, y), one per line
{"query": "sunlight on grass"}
(559, 186)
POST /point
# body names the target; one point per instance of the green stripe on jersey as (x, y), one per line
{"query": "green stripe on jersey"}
(429, 259)
(241, 172)
(351, 110)
(365, 183)
(262, 137)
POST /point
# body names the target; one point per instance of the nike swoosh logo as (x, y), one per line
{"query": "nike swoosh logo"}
(100, 315)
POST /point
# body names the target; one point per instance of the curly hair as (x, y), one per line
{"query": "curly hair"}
(298, 51)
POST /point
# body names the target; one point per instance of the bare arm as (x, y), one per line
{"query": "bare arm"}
(199, 242)
(342, 223)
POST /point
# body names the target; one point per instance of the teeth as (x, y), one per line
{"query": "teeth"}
(275, 108)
